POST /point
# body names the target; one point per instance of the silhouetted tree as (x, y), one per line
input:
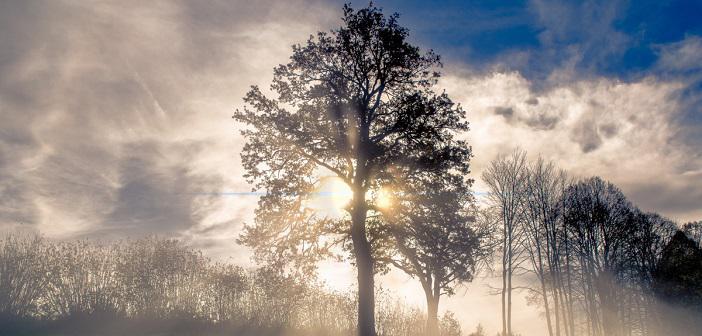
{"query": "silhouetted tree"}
(435, 237)
(506, 178)
(677, 283)
(544, 187)
(600, 219)
(677, 278)
(652, 233)
(351, 103)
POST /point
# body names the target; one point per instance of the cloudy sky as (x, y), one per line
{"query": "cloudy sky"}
(115, 116)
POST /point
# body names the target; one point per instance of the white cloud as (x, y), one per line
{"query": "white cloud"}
(683, 55)
(626, 132)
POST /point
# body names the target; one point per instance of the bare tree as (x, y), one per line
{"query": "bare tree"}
(83, 280)
(544, 187)
(600, 219)
(506, 178)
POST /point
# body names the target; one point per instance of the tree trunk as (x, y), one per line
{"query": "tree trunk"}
(608, 304)
(509, 284)
(509, 302)
(432, 315)
(364, 264)
(544, 295)
(504, 282)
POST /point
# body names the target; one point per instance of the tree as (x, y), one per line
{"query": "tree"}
(601, 224)
(544, 187)
(677, 283)
(479, 331)
(351, 103)
(678, 275)
(434, 236)
(506, 177)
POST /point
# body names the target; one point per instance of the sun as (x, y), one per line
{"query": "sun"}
(339, 193)
(383, 198)
(330, 197)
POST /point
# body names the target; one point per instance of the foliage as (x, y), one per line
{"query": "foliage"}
(355, 103)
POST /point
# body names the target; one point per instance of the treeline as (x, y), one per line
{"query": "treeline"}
(600, 266)
(157, 286)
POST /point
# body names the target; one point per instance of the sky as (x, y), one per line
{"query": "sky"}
(115, 116)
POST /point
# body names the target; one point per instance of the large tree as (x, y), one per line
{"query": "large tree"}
(351, 103)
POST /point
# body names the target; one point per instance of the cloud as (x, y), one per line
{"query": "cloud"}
(681, 56)
(116, 114)
(626, 132)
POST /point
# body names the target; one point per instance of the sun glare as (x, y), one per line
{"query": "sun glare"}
(331, 196)
(383, 198)
(338, 192)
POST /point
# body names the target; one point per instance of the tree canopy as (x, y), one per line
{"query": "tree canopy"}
(355, 103)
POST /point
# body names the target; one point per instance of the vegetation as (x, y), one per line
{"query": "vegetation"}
(155, 286)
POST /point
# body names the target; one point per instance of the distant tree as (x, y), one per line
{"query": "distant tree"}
(434, 236)
(351, 103)
(450, 325)
(677, 278)
(479, 331)
(677, 283)
(544, 187)
(506, 178)
(601, 224)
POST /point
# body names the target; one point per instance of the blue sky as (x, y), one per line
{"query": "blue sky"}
(616, 38)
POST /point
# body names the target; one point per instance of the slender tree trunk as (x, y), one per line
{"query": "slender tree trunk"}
(557, 302)
(504, 280)
(547, 309)
(509, 286)
(569, 288)
(364, 264)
